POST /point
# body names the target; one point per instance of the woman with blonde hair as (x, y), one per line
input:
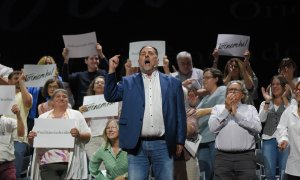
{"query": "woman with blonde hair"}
(111, 155)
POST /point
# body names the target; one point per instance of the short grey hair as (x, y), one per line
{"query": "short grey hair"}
(184, 54)
(243, 89)
(59, 90)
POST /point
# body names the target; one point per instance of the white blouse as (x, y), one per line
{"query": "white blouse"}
(289, 130)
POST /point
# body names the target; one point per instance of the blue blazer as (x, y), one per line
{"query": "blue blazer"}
(131, 91)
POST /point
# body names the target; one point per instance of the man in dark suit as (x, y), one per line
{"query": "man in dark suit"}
(153, 117)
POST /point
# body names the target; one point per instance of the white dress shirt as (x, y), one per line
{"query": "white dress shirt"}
(153, 121)
(235, 132)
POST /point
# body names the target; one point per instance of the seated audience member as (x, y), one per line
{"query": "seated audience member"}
(9, 128)
(288, 136)
(111, 155)
(235, 125)
(62, 163)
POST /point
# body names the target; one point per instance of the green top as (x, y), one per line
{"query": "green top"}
(116, 165)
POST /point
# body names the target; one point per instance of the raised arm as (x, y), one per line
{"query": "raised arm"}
(26, 96)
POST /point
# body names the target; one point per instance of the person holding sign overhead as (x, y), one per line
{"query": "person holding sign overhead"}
(153, 117)
(238, 69)
(80, 81)
(9, 128)
(61, 163)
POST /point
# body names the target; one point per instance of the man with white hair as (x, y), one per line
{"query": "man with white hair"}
(190, 77)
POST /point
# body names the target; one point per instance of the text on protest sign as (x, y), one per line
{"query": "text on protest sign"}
(50, 130)
(37, 75)
(232, 44)
(98, 107)
(81, 45)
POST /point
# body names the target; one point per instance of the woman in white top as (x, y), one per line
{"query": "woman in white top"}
(62, 163)
(288, 135)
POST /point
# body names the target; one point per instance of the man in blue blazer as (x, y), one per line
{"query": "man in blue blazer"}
(153, 118)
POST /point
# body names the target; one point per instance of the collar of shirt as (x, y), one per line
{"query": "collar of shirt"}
(154, 74)
(109, 148)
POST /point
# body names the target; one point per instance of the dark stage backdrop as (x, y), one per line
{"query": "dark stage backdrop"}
(30, 29)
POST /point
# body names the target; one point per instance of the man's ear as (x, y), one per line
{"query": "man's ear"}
(157, 62)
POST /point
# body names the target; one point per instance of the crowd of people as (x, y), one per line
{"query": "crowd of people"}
(159, 111)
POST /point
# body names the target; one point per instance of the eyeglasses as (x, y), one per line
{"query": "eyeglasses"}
(234, 90)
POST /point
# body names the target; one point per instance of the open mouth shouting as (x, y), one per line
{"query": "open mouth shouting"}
(147, 62)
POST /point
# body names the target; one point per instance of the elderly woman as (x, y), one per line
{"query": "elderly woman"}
(62, 163)
(288, 135)
(114, 158)
(213, 83)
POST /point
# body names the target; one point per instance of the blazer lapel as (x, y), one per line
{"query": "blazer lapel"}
(140, 85)
(164, 86)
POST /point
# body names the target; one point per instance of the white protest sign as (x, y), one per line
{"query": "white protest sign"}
(232, 44)
(192, 146)
(7, 98)
(37, 75)
(135, 47)
(53, 133)
(98, 107)
(81, 45)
